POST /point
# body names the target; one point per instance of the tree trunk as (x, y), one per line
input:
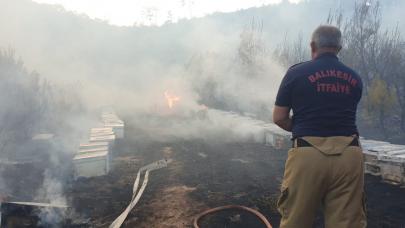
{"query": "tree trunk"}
(401, 104)
(381, 123)
(403, 119)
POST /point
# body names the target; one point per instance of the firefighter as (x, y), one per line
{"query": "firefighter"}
(324, 167)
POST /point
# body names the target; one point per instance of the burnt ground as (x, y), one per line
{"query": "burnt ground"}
(203, 175)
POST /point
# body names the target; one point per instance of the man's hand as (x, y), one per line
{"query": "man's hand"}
(281, 117)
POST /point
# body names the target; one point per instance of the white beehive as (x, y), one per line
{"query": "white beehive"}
(103, 138)
(91, 164)
(111, 120)
(94, 146)
(101, 131)
(94, 149)
(118, 129)
(93, 158)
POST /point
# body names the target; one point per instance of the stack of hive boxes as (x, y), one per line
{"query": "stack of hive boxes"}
(261, 131)
(276, 137)
(111, 120)
(380, 158)
(385, 159)
(93, 157)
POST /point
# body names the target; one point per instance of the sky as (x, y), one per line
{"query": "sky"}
(154, 12)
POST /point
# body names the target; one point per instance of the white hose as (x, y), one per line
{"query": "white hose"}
(137, 195)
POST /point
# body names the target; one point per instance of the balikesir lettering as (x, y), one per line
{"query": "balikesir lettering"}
(332, 73)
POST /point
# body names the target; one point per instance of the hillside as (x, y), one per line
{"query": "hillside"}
(197, 59)
(61, 44)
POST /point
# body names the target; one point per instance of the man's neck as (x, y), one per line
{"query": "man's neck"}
(324, 51)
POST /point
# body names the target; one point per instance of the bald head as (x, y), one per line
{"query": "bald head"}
(326, 38)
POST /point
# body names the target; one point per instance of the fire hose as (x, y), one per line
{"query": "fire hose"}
(227, 207)
(136, 195)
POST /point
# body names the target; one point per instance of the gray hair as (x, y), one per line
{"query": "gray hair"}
(327, 36)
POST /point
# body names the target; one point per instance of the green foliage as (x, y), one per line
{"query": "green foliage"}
(29, 105)
(252, 49)
(380, 104)
(381, 97)
(18, 99)
(290, 52)
(377, 55)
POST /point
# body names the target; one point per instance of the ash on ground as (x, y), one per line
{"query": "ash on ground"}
(203, 174)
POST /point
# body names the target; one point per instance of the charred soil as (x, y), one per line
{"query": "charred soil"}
(204, 175)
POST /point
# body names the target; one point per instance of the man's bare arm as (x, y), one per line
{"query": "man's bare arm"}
(281, 117)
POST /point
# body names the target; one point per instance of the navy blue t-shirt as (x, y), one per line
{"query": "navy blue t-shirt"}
(323, 94)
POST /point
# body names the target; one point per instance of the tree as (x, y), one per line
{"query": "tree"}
(289, 54)
(29, 105)
(381, 101)
(252, 49)
(378, 55)
(393, 60)
(18, 100)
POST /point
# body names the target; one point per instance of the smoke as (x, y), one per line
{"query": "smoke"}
(51, 192)
(132, 65)
(210, 125)
(223, 61)
(392, 15)
(131, 68)
(2, 186)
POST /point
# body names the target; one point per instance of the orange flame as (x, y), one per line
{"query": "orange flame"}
(171, 99)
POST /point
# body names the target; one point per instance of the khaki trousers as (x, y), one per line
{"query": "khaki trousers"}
(328, 176)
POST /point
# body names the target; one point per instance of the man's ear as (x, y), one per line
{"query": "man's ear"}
(313, 49)
(339, 49)
(313, 46)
